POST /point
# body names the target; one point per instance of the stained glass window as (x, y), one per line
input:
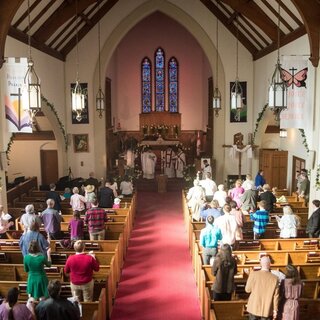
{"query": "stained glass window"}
(146, 85)
(159, 80)
(173, 84)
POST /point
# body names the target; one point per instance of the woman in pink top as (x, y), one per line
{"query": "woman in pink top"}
(77, 201)
(236, 192)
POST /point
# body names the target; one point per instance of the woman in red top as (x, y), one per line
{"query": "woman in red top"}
(81, 267)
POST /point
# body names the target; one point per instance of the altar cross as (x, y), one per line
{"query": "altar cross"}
(238, 142)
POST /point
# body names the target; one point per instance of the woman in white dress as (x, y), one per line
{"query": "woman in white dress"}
(288, 223)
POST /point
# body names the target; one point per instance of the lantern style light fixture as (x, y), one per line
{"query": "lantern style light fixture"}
(283, 133)
(277, 89)
(100, 97)
(31, 91)
(77, 94)
(236, 89)
(216, 99)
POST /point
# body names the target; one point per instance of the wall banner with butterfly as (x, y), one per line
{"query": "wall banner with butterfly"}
(296, 76)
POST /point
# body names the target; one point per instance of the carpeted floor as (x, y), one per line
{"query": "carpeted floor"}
(157, 279)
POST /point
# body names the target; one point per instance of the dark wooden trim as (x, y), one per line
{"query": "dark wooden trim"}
(290, 13)
(25, 15)
(283, 41)
(36, 135)
(272, 129)
(258, 34)
(20, 36)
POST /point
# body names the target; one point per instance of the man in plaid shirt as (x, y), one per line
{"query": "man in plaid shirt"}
(95, 219)
(260, 218)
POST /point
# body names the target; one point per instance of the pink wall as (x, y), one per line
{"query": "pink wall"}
(176, 41)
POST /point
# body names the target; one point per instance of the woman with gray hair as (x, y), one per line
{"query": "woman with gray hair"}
(288, 223)
(77, 201)
(29, 218)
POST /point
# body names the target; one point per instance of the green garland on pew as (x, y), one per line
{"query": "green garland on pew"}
(304, 142)
(260, 115)
(61, 126)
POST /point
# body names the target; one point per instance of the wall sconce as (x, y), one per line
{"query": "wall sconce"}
(283, 133)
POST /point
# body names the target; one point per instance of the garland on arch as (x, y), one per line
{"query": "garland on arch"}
(9, 147)
(61, 126)
(304, 142)
(260, 116)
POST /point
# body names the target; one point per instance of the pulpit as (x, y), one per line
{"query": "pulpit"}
(162, 183)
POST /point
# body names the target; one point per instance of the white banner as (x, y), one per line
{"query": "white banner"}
(295, 74)
(14, 70)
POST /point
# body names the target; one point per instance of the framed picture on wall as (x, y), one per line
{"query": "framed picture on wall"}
(85, 112)
(81, 142)
(243, 113)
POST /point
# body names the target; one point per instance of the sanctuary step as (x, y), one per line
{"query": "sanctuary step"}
(173, 184)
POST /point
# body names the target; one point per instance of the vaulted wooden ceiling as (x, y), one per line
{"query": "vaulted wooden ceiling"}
(53, 23)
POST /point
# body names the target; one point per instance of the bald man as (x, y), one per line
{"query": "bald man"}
(263, 287)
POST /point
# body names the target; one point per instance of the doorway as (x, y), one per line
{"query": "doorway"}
(297, 165)
(49, 166)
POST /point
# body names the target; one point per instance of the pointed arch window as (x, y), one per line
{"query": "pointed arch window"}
(159, 80)
(146, 85)
(173, 87)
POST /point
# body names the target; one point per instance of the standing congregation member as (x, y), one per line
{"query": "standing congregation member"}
(248, 183)
(33, 234)
(268, 197)
(34, 263)
(76, 226)
(112, 184)
(248, 200)
(228, 225)
(263, 287)
(313, 225)
(210, 209)
(148, 163)
(77, 201)
(220, 195)
(224, 269)
(55, 196)
(259, 180)
(304, 188)
(209, 238)
(81, 267)
(92, 181)
(10, 309)
(290, 292)
(106, 196)
(209, 186)
(90, 195)
(180, 162)
(261, 219)
(238, 214)
(195, 198)
(29, 217)
(126, 187)
(95, 219)
(288, 223)
(5, 222)
(236, 192)
(56, 307)
(168, 162)
(51, 220)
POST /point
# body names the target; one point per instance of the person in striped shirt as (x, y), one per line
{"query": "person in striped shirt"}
(260, 218)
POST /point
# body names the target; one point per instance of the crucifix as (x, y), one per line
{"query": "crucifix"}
(239, 147)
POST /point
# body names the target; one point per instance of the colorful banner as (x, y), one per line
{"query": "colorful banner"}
(295, 74)
(14, 70)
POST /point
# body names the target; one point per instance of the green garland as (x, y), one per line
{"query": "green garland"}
(317, 182)
(9, 147)
(260, 115)
(61, 126)
(304, 142)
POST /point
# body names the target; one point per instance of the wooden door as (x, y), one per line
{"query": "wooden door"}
(49, 166)
(297, 165)
(274, 164)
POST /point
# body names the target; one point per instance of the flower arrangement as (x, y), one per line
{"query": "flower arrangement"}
(159, 129)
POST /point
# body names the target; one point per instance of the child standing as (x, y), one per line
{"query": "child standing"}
(260, 218)
(76, 226)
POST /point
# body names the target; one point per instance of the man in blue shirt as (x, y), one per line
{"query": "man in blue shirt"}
(209, 237)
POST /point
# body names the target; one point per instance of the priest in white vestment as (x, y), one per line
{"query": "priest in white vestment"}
(148, 163)
(180, 163)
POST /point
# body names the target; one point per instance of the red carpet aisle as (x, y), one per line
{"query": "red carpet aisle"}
(157, 280)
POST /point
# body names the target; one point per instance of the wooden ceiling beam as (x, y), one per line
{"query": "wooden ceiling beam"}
(283, 41)
(19, 35)
(84, 30)
(310, 13)
(230, 26)
(253, 12)
(7, 12)
(25, 14)
(290, 13)
(65, 11)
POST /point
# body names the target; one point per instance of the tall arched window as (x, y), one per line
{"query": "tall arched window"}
(159, 80)
(173, 84)
(146, 85)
